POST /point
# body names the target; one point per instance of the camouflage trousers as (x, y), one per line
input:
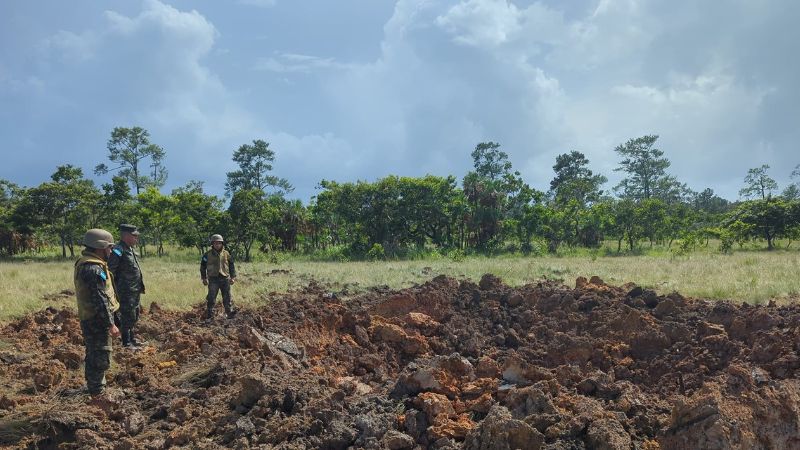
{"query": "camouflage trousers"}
(97, 340)
(129, 309)
(216, 284)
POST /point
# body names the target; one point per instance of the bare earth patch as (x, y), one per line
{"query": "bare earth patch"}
(448, 364)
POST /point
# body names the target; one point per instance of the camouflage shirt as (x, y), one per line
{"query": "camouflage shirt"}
(124, 264)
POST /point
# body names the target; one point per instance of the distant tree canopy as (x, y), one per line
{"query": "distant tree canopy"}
(127, 148)
(255, 164)
(758, 184)
(492, 209)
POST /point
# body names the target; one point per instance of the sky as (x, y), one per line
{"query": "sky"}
(360, 89)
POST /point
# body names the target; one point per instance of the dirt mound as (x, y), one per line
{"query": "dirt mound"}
(449, 364)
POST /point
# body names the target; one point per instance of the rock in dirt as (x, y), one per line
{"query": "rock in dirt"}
(395, 440)
(500, 431)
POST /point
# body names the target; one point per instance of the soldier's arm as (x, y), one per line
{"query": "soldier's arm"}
(95, 278)
(231, 266)
(203, 265)
(114, 261)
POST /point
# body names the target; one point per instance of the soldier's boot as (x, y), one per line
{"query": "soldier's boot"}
(209, 317)
(135, 344)
(126, 337)
(230, 313)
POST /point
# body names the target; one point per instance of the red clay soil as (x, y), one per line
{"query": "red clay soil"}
(449, 364)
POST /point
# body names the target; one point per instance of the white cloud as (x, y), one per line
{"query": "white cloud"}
(480, 22)
(292, 62)
(72, 47)
(715, 81)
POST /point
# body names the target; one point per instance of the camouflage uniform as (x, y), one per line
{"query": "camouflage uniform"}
(130, 286)
(218, 268)
(94, 289)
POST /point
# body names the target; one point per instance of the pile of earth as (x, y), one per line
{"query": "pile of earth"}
(448, 364)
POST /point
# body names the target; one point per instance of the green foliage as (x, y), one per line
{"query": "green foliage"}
(494, 211)
(255, 164)
(157, 216)
(457, 255)
(769, 219)
(574, 181)
(198, 215)
(127, 148)
(708, 202)
(395, 212)
(644, 165)
(376, 252)
(758, 184)
(489, 162)
(64, 207)
(247, 213)
(792, 191)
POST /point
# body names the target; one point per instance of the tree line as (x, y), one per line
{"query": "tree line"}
(491, 210)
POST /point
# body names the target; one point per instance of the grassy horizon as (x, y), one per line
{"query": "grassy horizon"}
(174, 281)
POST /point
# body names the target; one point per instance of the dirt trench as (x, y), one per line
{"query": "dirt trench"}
(448, 364)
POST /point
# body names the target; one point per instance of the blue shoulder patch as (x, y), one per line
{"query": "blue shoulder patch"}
(103, 276)
(118, 251)
(205, 257)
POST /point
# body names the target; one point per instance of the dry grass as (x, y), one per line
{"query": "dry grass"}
(752, 276)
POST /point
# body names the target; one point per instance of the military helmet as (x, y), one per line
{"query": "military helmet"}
(98, 238)
(216, 238)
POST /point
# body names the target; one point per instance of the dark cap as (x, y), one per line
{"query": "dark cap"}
(126, 228)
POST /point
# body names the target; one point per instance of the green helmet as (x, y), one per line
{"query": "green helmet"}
(98, 238)
(216, 238)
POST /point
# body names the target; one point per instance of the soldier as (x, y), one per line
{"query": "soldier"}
(129, 283)
(218, 273)
(97, 303)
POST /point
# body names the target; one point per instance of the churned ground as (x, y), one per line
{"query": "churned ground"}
(447, 364)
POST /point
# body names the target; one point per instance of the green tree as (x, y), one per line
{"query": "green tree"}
(12, 240)
(63, 207)
(199, 215)
(247, 216)
(645, 167)
(127, 148)
(792, 191)
(157, 216)
(573, 189)
(625, 223)
(758, 184)
(490, 162)
(10, 194)
(115, 204)
(768, 219)
(709, 202)
(574, 180)
(487, 189)
(255, 164)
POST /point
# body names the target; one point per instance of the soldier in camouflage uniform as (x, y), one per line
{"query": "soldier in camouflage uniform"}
(97, 303)
(129, 283)
(218, 272)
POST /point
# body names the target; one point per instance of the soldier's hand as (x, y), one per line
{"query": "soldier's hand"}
(205, 282)
(114, 331)
(233, 280)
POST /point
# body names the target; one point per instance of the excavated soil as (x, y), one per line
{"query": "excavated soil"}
(449, 364)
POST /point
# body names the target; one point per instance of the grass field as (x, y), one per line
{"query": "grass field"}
(174, 281)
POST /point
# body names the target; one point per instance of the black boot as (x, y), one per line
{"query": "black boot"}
(126, 337)
(132, 339)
